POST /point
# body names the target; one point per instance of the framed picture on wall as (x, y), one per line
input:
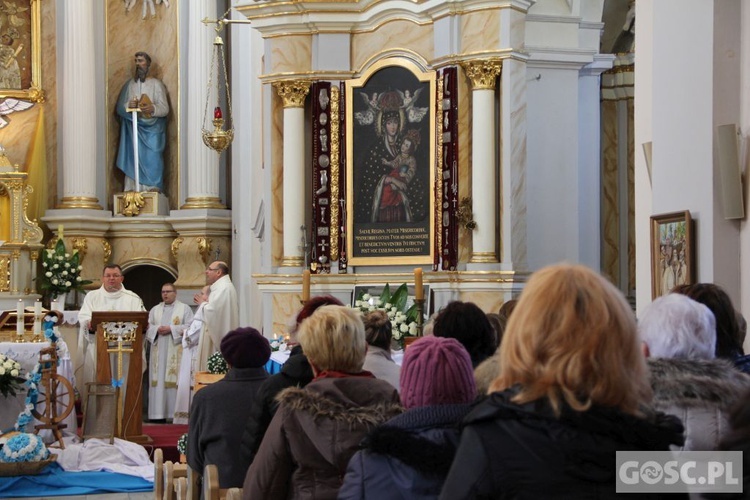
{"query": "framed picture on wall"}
(390, 164)
(672, 252)
(20, 50)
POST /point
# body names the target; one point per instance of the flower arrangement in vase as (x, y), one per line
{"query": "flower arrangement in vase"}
(10, 370)
(61, 271)
(403, 318)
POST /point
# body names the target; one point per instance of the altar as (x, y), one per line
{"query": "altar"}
(27, 355)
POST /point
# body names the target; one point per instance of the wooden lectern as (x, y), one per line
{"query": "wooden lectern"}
(130, 413)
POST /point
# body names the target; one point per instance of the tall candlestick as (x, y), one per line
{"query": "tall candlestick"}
(37, 317)
(418, 290)
(305, 285)
(19, 318)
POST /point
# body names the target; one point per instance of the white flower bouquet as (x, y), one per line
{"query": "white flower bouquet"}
(61, 272)
(216, 364)
(403, 318)
(10, 371)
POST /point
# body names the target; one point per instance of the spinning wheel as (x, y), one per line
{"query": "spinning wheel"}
(56, 399)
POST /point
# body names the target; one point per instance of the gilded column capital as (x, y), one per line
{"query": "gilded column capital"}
(293, 92)
(483, 72)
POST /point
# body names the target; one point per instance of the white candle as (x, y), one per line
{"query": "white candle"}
(37, 317)
(19, 318)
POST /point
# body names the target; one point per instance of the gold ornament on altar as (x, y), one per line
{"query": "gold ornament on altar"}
(218, 139)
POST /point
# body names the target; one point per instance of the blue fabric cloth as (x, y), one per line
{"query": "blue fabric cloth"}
(54, 481)
(152, 139)
(273, 367)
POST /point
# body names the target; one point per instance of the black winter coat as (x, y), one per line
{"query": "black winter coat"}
(525, 451)
(296, 372)
(407, 457)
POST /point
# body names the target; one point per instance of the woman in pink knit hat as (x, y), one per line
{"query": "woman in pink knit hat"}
(409, 456)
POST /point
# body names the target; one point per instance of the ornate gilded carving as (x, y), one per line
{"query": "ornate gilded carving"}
(4, 273)
(204, 248)
(176, 246)
(335, 224)
(107, 251)
(439, 174)
(15, 254)
(34, 254)
(483, 72)
(86, 202)
(133, 202)
(81, 245)
(293, 92)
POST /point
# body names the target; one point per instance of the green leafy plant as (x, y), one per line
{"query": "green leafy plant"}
(182, 444)
(61, 272)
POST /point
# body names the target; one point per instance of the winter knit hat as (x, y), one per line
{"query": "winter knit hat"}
(245, 348)
(436, 371)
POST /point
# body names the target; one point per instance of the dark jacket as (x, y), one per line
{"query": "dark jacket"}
(313, 435)
(217, 416)
(700, 393)
(525, 451)
(408, 457)
(296, 372)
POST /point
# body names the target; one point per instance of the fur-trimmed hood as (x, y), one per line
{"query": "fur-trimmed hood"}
(696, 383)
(340, 405)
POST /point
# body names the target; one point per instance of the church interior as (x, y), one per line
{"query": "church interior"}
(536, 132)
(554, 157)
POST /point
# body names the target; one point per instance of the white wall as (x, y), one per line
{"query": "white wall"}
(686, 83)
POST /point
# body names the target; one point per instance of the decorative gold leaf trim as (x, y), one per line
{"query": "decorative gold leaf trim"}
(483, 72)
(293, 92)
(335, 175)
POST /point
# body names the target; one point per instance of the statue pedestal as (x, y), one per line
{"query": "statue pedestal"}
(145, 203)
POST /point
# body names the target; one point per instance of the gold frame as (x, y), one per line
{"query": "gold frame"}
(34, 92)
(422, 76)
(681, 224)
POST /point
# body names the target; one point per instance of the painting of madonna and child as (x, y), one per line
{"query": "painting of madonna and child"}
(390, 123)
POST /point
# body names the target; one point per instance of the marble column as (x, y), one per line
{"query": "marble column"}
(483, 75)
(293, 93)
(78, 123)
(202, 162)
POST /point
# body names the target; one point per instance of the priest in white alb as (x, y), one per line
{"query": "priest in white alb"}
(112, 296)
(166, 322)
(221, 314)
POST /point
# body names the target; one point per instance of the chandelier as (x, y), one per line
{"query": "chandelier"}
(218, 139)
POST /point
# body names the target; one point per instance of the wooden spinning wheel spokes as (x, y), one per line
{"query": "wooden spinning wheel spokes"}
(56, 399)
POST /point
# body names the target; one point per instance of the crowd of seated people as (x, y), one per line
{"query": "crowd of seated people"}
(530, 405)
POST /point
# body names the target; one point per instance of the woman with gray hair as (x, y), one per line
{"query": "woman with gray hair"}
(679, 336)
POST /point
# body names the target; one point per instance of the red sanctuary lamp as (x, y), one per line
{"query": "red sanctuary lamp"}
(218, 139)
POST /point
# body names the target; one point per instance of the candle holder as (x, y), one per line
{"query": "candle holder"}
(38, 336)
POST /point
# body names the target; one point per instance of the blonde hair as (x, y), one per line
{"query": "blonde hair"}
(333, 338)
(573, 337)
